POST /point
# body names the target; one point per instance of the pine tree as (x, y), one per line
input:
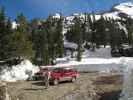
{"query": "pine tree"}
(75, 34)
(7, 39)
(50, 29)
(129, 26)
(2, 30)
(59, 38)
(100, 31)
(117, 35)
(22, 23)
(40, 42)
(5, 34)
(88, 28)
(43, 46)
(21, 44)
(78, 37)
(34, 29)
(93, 32)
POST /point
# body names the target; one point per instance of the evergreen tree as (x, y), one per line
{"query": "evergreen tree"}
(34, 29)
(129, 26)
(100, 26)
(5, 34)
(117, 35)
(2, 31)
(85, 28)
(40, 42)
(50, 29)
(88, 28)
(75, 34)
(43, 47)
(59, 38)
(93, 32)
(78, 37)
(22, 23)
(21, 46)
(21, 43)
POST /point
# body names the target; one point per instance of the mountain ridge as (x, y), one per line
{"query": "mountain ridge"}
(122, 8)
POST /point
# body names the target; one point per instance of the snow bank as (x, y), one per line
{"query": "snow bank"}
(95, 64)
(25, 69)
(99, 53)
(100, 64)
(18, 72)
(94, 61)
(70, 45)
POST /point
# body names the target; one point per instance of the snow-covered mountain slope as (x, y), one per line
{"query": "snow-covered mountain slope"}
(121, 10)
(114, 15)
(125, 8)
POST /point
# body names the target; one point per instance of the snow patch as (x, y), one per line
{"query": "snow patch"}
(98, 53)
(113, 15)
(18, 72)
(14, 25)
(57, 15)
(70, 45)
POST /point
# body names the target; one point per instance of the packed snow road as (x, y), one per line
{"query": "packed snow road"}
(87, 87)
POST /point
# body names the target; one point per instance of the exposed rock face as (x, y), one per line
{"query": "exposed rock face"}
(3, 92)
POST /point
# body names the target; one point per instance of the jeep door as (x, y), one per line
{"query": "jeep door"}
(67, 74)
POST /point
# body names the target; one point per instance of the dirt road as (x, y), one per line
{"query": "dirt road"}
(89, 86)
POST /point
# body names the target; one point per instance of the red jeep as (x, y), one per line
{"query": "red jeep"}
(63, 74)
(39, 75)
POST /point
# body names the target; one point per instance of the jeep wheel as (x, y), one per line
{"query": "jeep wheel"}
(55, 82)
(73, 79)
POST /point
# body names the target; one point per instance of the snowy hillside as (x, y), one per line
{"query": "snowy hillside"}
(126, 8)
(122, 10)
